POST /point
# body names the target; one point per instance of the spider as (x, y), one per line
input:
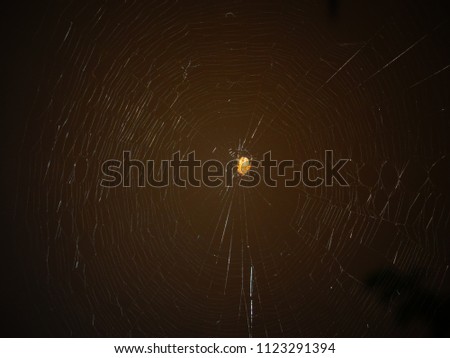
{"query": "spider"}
(243, 166)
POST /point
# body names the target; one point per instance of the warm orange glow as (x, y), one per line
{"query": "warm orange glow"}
(243, 165)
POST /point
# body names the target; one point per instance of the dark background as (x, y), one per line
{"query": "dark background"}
(86, 81)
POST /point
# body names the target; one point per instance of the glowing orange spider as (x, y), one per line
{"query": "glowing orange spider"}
(243, 166)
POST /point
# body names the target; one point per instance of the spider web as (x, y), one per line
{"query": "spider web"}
(222, 79)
